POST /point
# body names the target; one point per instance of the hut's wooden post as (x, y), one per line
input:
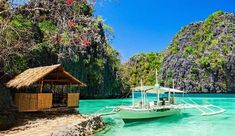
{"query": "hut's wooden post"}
(69, 86)
(51, 87)
(41, 86)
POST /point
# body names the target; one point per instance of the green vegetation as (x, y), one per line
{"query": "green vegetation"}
(188, 50)
(174, 48)
(198, 57)
(204, 37)
(201, 41)
(207, 45)
(142, 66)
(37, 36)
(81, 43)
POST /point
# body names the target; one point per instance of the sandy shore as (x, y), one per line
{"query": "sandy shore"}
(65, 125)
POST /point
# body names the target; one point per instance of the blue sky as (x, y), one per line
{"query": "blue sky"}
(150, 25)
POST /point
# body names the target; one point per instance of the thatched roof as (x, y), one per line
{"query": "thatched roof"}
(54, 74)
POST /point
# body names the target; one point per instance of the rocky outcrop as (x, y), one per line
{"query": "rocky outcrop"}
(87, 127)
(201, 56)
(230, 74)
(177, 65)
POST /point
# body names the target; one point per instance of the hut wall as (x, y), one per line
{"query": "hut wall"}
(28, 102)
(44, 101)
(73, 99)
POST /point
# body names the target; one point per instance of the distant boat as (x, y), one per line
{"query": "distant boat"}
(161, 107)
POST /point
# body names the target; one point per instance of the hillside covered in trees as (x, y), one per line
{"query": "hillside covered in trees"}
(200, 58)
(44, 32)
(143, 66)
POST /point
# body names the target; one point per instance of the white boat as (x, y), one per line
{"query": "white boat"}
(161, 107)
(130, 114)
(146, 110)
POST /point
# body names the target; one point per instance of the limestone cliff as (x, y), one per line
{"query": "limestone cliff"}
(201, 56)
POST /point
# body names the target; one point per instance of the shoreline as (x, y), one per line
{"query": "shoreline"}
(68, 125)
(190, 93)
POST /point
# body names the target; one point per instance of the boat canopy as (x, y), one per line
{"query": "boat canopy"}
(156, 89)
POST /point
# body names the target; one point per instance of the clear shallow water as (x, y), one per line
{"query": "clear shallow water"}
(189, 122)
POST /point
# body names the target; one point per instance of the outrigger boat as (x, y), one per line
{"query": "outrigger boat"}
(161, 107)
(145, 110)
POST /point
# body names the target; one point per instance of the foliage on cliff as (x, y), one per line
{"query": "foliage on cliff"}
(142, 66)
(60, 31)
(201, 56)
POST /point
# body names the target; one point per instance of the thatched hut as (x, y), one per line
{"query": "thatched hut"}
(43, 88)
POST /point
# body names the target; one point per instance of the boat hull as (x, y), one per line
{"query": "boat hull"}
(129, 115)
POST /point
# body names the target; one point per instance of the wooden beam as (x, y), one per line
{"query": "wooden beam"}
(41, 86)
(57, 76)
(55, 73)
(52, 80)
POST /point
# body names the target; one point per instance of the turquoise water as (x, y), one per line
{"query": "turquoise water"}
(188, 123)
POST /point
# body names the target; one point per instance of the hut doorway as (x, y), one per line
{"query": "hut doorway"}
(59, 97)
(59, 100)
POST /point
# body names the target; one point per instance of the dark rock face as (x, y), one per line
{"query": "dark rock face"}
(181, 67)
(7, 112)
(230, 72)
(201, 57)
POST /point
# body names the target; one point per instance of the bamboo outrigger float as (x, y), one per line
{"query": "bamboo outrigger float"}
(44, 88)
(160, 107)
